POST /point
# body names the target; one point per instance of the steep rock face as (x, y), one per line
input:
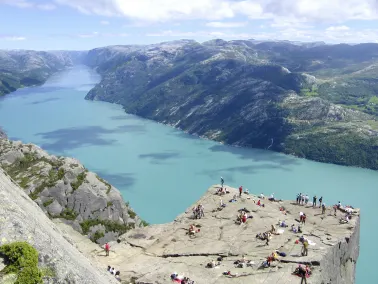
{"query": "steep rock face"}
(21, 68)
(63, 188)
(22, 220)
(239, 93)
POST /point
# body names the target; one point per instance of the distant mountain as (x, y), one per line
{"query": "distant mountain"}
(312, 100)
(20, 68)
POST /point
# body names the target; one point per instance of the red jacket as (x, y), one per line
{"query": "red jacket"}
(107, 247)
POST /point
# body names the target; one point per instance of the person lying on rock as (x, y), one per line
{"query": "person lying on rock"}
(345, 219)
(283, 224)
(192, 230)
(213, 264)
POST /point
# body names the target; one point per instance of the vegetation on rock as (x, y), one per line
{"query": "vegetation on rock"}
(110, 226)
(22, 259)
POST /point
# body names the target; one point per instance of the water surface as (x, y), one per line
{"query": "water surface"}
(162, 171)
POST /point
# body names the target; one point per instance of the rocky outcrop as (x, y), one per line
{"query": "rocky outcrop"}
(64, 188)
(22, 220)
(246, 94)
(151, 254)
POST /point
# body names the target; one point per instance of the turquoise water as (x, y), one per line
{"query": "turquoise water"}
(162, 171)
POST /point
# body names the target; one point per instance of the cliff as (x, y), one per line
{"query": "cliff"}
(22, 220)
(65, 189)
(21, 68)
(299, 100)
(152, 254)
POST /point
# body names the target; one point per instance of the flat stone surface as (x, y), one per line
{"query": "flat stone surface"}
(151, 254)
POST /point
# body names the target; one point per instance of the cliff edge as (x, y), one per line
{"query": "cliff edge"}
(152, 254)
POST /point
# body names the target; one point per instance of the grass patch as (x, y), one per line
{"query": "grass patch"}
(373, 124)
(47, 203)
(106, 183)
(79, 180)
(109, 203)
(24, 182)
(22, 259)
(110, 226)
(68, 214)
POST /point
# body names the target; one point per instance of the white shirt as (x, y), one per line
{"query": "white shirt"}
(300, 213)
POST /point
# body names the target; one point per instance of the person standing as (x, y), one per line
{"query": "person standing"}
(222, 181)
(107, 249)
(314, 201)
(320, 201)
(323, 208)
(240, 190)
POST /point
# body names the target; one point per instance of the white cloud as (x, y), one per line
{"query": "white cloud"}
(28, 4)
(338, 28)
(104, 23)
(163, 10)
(97, 34)
(12, 38)
(226, 24)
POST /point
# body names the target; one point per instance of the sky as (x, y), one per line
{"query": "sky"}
(87, 24)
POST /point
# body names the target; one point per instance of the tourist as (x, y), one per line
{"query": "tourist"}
(304, 219)
(271, 198)
(293, 229)
(320, 201)
(339, 205)
(305, 247)
(246, 191)
(222, 205)
(117, 276)
(307, 199)
(314, 201)
(323, 208)
(335, 209)
(262, 196)
(112, 270)
(107, 249)
(222, 181)
(240, 190)
(298, 197)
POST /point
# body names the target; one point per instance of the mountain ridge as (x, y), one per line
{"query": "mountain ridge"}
(235, 92)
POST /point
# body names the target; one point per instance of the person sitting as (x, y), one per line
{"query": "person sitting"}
(246, 191)
(117, 276)
(283, 224)
(294, 229)
(222, 205)
(112, 270)
(271, 198)
(109, 267)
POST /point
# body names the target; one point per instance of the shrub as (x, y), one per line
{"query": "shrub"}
(97, 235)
(131, 213)
(22, 259)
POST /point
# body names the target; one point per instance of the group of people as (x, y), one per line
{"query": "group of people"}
(303, 272)
(114, 272)
(198, 211)
(303, 199)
